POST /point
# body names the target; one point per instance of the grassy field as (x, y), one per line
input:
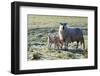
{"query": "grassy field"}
(38, 29)
(39, 21)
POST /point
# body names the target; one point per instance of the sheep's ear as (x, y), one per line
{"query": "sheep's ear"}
(65, 23)
(61, 23)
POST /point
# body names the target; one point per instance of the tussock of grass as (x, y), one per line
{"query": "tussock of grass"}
(36, 56)
(70, 55)
(85, 53)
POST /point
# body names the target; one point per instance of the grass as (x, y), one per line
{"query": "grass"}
(38, 29)
(36, 56)
(53, 21)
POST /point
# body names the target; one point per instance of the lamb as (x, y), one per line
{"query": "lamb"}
(54, 40)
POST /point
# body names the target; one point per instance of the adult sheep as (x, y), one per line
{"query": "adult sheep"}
(68, 35)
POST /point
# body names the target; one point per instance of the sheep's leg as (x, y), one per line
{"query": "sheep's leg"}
(81, 44)
(66, 44)
(77, 44)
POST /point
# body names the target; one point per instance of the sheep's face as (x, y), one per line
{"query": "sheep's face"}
(63, 25)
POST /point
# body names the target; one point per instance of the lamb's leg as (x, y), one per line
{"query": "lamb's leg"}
(61, 44)
(55, 45)
(67, 46)
(48, 45)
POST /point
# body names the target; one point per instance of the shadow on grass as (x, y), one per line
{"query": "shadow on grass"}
(79, 50)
